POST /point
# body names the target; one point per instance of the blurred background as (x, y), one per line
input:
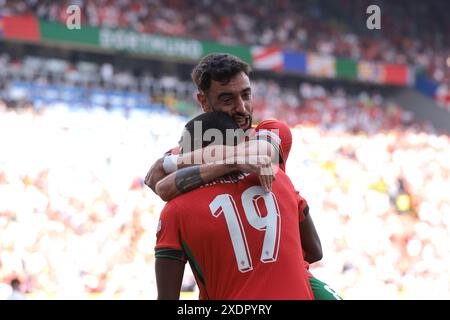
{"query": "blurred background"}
(85, 112)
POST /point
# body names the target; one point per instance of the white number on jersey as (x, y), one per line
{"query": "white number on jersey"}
(270, 224)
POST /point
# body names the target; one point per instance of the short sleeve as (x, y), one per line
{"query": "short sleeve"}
(168, 244)
(279, 135)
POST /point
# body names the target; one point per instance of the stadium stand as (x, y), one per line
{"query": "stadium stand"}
(329, 27)
(79, 130)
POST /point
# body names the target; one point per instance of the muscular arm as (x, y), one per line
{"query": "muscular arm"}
(169, 277)
(190, 178)
(209, 155)
(215, 153)
(310, 240)
(155, 174)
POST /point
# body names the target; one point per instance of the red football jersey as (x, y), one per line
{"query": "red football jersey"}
(241, 242)
(279, 134)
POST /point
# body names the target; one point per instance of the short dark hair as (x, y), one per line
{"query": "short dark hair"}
(15, 283)
(221, 67)
(211, 120)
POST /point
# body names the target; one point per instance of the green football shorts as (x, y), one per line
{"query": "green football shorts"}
(322, 291)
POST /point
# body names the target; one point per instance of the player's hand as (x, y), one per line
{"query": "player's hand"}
(155, 174)
(261, 166)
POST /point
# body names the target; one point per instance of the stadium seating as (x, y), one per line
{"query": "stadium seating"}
(78, 136)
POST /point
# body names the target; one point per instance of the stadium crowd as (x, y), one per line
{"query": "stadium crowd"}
(51, 81)
(415, 34)
(75, 217)
(78, 137)
(381, 207)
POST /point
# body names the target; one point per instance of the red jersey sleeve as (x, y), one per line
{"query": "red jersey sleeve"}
(279, 135)
(167, 235)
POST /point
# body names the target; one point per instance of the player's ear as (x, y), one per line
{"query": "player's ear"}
(201, 98)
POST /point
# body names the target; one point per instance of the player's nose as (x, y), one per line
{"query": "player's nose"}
(240, 106)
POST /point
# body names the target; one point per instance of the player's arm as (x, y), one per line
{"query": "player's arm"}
(190, 178)
(213, 153)
(169, 277)
(310, 238)
(169, 255)
(244, 151)
(155, 174)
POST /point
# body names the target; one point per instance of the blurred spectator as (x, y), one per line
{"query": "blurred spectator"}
(329, 27)
(16, 290)
(376, 178)
(122, 90)
(88, 226)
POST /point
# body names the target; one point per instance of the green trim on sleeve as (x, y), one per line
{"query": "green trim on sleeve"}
(159, 256)
(274, 144)
(194, 264)
(322, 291)
(169, 253)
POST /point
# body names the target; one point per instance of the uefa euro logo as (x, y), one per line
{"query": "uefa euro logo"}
(73, 20)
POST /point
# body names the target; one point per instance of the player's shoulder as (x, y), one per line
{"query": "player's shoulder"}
(283, 188)
(278, 132)
(274, 127)
(272, 123)
(281, 174)
(170, 207)
(194, 197)
(179, 205)
(283, 178)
